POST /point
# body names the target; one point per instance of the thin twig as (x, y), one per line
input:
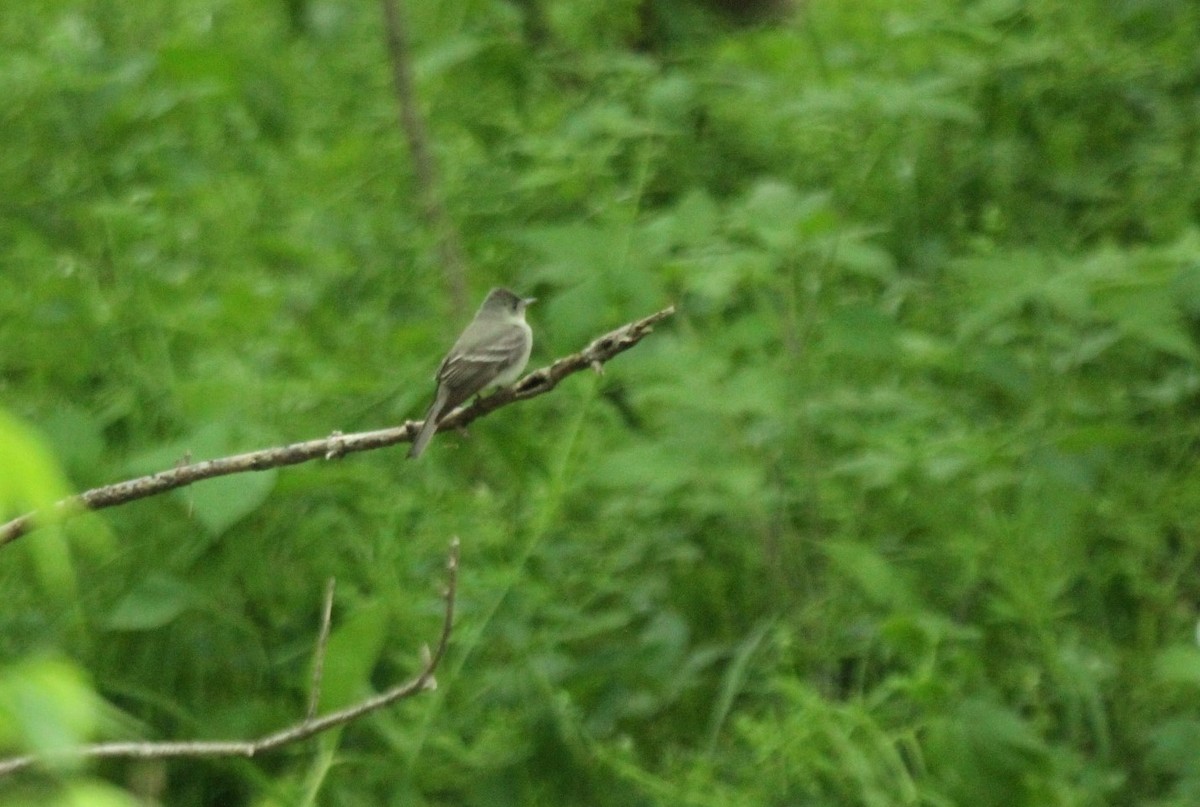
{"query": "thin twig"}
(337, 444)
(428, 184)
(294, 733)
(314, 694)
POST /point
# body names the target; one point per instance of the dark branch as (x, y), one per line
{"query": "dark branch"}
(336, 445)
(428, 185)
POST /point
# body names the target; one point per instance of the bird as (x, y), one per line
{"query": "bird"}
(491, 351)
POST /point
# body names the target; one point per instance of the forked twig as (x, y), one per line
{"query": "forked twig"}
(302, 730)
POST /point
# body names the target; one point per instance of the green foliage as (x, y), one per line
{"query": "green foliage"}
(899, 509)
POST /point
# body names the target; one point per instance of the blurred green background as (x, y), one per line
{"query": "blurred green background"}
(901, 508)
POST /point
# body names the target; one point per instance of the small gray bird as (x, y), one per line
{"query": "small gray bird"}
(492, 351)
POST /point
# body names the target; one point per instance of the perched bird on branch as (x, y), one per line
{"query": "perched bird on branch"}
(491, 352)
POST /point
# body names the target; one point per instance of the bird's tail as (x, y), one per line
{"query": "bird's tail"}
(427, 430)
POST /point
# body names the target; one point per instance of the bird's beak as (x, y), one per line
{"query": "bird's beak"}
(529, 300)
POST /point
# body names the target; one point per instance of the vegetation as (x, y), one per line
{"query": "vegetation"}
(901, 508)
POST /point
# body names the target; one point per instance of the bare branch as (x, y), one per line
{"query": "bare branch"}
(337, 444)
(314, 694)
(428, 185)
(294, 733)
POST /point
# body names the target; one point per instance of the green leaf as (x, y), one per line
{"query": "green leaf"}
(862, 331)
(877, 578)
(93, 794)
(46, 706)
(77, 438)
(1178, 664)
(352, 653)
(734, 681)
(865, 259)
(1147, 312)
(152, 603)
(695, 217)
(221, 502)
(782, 218)
(31, 480)
(29, 477)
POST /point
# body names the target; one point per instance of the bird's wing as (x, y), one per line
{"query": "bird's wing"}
(470, 367)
